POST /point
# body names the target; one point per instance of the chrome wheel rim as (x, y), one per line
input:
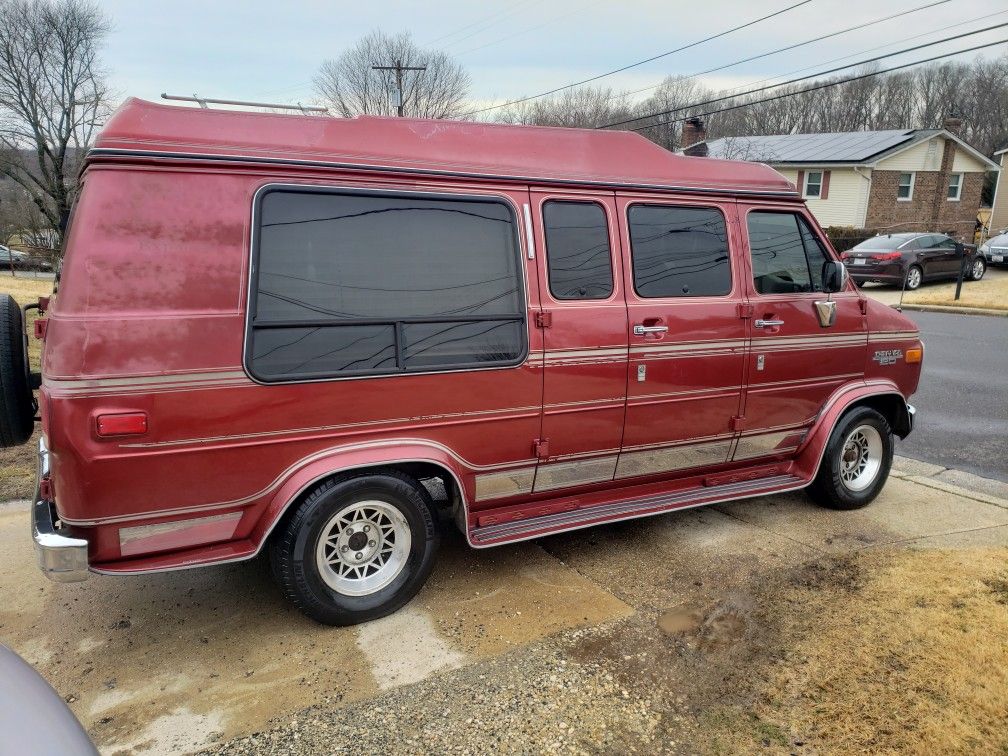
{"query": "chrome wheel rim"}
(913, 278)
(861, 458)
(978, 269)
(363, 547)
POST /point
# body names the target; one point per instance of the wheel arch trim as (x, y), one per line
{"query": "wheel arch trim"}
(810, 456)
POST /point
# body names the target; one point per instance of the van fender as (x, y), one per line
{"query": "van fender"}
(329, 462)
(810, 455)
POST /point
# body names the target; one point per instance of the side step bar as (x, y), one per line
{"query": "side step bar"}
(629, 508)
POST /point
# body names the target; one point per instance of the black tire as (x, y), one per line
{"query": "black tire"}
(977, 269)
(293, 548)
(17, 408)
(913, 283)
(829, 488)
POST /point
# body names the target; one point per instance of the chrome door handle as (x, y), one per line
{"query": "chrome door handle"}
(640, 330)
(760, 323)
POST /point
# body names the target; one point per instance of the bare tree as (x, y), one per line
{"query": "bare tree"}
(581, 107)
(53, 97)
(351, 86)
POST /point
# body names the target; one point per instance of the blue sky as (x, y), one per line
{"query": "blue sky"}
(257, 50)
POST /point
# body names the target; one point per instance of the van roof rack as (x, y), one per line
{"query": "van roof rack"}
(204, 102)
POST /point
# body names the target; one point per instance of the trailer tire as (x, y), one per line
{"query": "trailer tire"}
(17, 407)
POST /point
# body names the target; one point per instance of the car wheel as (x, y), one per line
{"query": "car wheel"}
(856, 462)
(977, 269)
(357, 548)
(914, 277)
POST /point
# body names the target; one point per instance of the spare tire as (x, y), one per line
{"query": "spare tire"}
(17, 407)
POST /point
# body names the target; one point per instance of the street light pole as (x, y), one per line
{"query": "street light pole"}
(399, 68)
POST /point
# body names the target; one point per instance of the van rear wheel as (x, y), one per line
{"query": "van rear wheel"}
(17, 408)
(856, 462)
(357, 548)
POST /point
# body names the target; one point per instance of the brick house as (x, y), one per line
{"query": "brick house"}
(893, 180)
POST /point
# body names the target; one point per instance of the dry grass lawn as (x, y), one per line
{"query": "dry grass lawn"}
(17, 464)
(912, 659)
(990, 292)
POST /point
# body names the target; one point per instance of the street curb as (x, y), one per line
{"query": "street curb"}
(975, 483)
(953, 310)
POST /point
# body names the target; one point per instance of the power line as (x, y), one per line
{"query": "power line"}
(806, 42)
(547, 22)
(640, 62)
(817, 86)
(493, 18)
(802, 78)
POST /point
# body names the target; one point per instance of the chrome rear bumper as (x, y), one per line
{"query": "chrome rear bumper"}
(61, 557)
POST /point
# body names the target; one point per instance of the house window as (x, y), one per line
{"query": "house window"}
(904, 190)
(954, 187)
(365, 283)
(813, 184)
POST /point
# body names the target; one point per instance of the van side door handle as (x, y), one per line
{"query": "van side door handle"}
(641, 330)
(760, 323)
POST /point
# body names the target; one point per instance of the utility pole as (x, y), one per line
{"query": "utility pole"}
(399, 68)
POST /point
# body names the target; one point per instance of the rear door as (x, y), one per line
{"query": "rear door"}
(794, 362)
(687, 339)
(946, 255)
(584, 327)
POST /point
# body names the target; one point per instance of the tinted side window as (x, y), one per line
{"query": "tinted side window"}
(816, 253)
(577, 250)
(679, 251)
(349, 283)
(778, 254)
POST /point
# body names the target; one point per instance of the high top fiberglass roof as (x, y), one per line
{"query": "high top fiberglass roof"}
(533, 154)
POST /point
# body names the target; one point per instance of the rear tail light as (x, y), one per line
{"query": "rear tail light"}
(885, 256)
(126, 424)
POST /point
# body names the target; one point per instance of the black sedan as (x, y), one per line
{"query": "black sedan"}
(910, 259)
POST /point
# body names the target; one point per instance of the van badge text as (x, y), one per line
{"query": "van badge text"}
(888, 356)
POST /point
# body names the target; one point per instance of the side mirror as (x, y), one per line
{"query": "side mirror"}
(834, 276)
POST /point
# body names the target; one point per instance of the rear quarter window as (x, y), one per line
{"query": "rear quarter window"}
(353, 283)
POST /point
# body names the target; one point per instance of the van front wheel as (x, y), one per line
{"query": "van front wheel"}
(856, 462)
(357, 548)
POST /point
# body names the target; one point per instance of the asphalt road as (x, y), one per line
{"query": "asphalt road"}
(962, 402)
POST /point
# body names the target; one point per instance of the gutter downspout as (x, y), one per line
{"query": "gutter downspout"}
(864, 215)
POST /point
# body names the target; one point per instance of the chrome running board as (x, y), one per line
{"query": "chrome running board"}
(600, 514)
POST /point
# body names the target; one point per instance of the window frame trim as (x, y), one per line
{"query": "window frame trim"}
(814, 229)
(663, 202)
(913, 182)
(613, 281)
(959, 186)
(805, 194)
(250, 279)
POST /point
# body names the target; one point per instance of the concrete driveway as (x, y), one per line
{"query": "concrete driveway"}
(531, 647)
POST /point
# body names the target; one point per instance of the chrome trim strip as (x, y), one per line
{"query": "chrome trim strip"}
(764, 444)
(529, 238)
(575, 473)
(652, 461)
(501, 484)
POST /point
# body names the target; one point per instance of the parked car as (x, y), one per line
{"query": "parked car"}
(34, 720)
(22, 260)
(309, 322)
(995, 250)
(911, 259)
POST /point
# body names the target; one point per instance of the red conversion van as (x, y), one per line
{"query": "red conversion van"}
(311, 335)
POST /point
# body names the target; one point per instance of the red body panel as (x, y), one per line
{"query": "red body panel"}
(150, 314)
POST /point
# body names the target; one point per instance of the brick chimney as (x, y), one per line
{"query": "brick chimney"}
(953, 122)
(694, 136)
